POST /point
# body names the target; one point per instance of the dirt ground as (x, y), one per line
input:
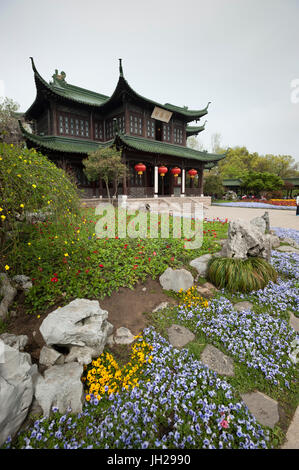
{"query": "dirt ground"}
(125, 308)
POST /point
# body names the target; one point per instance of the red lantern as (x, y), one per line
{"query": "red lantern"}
(192, 173)
(162, 170)
(176, 171)
(140, 168)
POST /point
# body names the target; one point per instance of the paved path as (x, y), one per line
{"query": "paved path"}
(278, 218)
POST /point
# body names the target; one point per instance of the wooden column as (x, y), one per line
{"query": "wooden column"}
(200, 181)
(125, 192)
(156, 182)
(183, 183)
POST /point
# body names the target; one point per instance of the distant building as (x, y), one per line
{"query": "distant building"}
(68, 122)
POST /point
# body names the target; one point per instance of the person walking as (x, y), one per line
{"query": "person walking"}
(297, 204)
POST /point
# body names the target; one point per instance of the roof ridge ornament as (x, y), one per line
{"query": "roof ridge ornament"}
(121, 73)
(59, 78)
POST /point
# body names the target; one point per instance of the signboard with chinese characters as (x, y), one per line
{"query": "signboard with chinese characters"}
(161, 114)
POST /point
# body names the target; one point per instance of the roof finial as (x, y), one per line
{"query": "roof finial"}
(120, 68)
(33, 64)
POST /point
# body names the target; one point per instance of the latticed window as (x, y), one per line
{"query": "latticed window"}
(150, 128)
(69, 124)
(135, 125)
(61, 125)
(98, 131)
(166, 133)
(178, 135)
(109, 129)
(121, 123)
(66, 125)
(77, 126)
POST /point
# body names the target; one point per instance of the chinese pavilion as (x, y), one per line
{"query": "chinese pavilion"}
(69, 122)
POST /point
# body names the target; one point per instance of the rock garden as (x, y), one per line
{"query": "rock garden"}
(138, 342)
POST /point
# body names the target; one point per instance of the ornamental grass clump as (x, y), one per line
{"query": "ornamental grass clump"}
(240, 275)
(104, 376)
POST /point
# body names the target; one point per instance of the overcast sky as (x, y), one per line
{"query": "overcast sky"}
(242, 55)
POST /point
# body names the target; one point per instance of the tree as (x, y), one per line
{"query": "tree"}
(105, 164)
(9, 127)
(213, 186)
(194, 143)
(281, 165)
(216, 143)
(257, 182)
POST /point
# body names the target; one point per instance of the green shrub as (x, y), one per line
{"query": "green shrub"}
(30, 183)
(240, 275)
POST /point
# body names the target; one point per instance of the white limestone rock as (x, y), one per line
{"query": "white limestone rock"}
(161, 306)
(176, 279)
(245, 240)
(60, 386)
(274, 240)
(17, 377)
(259, 223)
(23, 282)
(81, 326)
(123, 336)
(48, 357)
(201, 264)
(217, 361)
(15, 341)
(288, 249)
(179, 336)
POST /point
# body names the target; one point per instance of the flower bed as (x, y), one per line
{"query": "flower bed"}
(260, 341)
(179, 403)
(274, 202)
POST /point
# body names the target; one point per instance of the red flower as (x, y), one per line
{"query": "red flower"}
(224, 423)
(101, 265)
(54, 279)
(149, 259)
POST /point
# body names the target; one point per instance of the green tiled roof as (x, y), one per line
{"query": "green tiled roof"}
(192, 130)
(294, 180)
(81, 95)
(63, 144)
(232, 182)
(163, 148)
(74, 145)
